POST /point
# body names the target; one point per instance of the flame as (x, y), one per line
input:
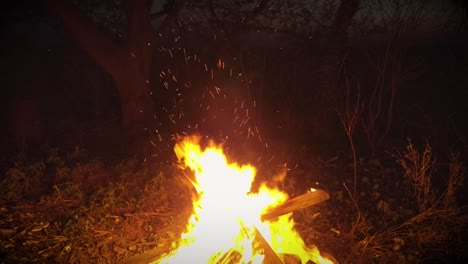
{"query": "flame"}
(226, 217)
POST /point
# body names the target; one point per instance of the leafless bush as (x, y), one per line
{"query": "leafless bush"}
(437, 219)
(456, 176)
(349, 117)
(396, 22)
(418, 169)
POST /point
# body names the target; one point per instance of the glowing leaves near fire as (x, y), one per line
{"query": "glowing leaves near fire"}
(226, 225)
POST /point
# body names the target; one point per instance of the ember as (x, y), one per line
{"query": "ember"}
(226, 225)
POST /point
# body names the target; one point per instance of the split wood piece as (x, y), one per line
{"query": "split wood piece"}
(296, 203)
(268, 252)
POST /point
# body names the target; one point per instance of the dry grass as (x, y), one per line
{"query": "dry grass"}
(432, 225)
(83, 220)
(418, 166)
(145, 207)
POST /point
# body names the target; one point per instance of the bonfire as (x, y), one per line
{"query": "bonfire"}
(230, 223)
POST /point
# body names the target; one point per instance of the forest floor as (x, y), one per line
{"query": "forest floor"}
(68, 206)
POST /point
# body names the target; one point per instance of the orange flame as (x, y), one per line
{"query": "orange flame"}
(226, 215)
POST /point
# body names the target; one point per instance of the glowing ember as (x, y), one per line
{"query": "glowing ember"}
(226, 217)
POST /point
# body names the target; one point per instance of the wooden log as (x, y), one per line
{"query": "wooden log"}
(154, 254)
(231, 256)
(296, 203)
(149, 256)
(291, 205)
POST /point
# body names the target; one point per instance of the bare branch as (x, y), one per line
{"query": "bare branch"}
(344, 15)
(260, 7)
(171, 16)
(213, 12)
(99, 46)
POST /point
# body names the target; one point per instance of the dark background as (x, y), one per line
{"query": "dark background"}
(53, 94)
(41, 61)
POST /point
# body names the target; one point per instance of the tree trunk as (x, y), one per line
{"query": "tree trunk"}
(330, 53)
(128, 63)
(135, 97)
(333, 52)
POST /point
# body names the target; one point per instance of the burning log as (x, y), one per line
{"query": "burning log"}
(296, 203)
(148, 256)
(155, 254)
(262, 244)
(291, 205)
(270, 254)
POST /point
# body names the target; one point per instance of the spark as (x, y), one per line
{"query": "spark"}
(172, 120)
(244, 121)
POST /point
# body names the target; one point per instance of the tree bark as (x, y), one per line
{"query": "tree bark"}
(128, 63)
